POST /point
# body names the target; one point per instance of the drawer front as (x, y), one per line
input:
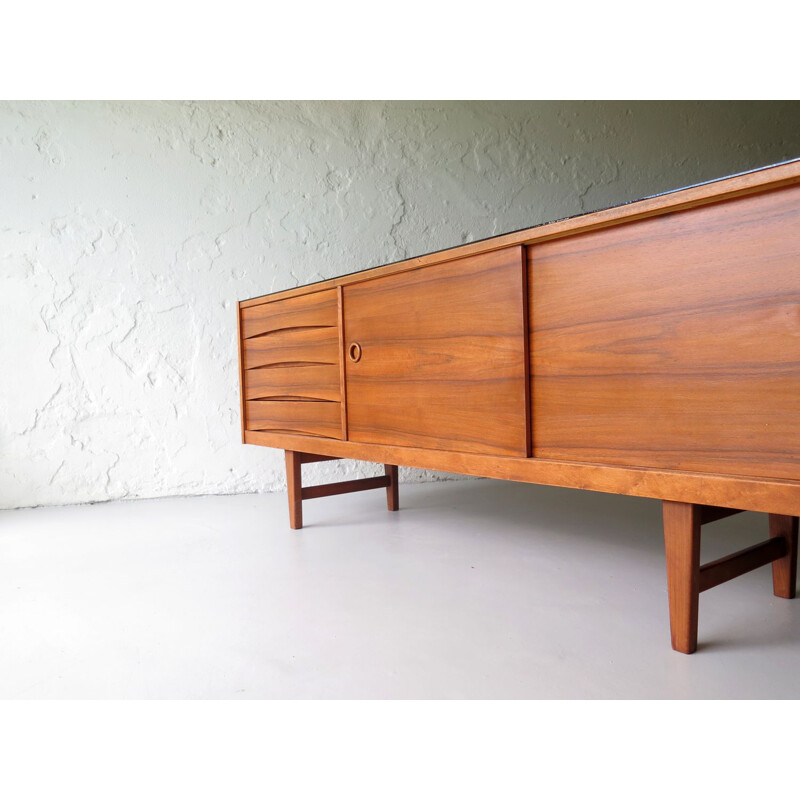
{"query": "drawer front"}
(307, 310)
(291, 365)
(293, 382)
(317, 418)
(293, 346)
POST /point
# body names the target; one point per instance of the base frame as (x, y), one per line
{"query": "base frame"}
(298, 492)
(687, 578)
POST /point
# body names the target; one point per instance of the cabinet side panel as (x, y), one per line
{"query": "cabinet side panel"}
(239, 352)
(342, 381)
(673, 341)
(526, 340)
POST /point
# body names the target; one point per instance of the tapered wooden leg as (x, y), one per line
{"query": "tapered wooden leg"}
(392, 490)
(294, 483)
(784, 570)
(682, 543)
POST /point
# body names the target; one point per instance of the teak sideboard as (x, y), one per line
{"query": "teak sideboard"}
(651, 349)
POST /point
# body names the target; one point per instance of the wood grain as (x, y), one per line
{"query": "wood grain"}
(313, 382)
(673, 342)
(692, 197)
(305, 417)
(310, 308)
(442, 357)
(293, 346)
(682, 543)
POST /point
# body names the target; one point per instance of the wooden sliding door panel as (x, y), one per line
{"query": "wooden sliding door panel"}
(672, 341)
(440, 359)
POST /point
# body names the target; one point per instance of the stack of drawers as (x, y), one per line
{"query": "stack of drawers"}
(291, 365)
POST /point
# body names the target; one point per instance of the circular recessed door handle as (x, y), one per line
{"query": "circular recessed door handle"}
(354, 352)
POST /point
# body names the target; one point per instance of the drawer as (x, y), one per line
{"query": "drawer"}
(307, 310)
(313, 417)
(313, 381)
(292, 346)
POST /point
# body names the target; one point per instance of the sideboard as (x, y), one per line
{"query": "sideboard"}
(651, 349)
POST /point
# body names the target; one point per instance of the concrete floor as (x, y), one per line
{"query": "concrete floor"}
(476, 589)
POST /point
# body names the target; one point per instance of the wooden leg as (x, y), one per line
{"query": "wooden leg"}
(784, 570)
(298, 493)
(686, 578)
(294, 483)
(682, 543)
(392, 490)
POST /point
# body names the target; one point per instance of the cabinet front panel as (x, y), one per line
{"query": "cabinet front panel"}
(442, 356)
(673, 341)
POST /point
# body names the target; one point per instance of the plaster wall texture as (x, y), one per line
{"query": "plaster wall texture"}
(129, 229)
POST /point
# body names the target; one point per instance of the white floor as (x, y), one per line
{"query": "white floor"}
(478, 589)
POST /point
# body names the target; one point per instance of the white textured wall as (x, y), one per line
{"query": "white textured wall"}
(128, 230)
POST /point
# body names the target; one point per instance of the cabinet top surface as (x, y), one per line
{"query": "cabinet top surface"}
(761, 178)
